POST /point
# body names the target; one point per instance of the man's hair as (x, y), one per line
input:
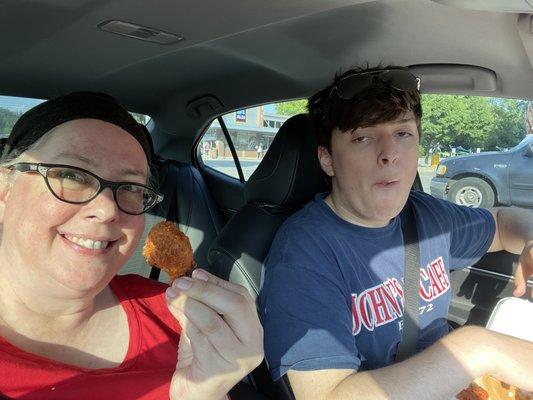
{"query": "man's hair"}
(374, 105)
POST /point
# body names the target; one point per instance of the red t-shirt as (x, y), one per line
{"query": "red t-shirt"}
(144, 374)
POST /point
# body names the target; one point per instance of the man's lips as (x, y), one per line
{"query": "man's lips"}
(387, 183)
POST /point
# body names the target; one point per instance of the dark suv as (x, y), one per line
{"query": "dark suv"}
(486, 179)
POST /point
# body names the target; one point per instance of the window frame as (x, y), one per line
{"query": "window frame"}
(197, 149)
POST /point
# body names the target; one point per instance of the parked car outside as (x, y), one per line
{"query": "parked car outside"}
(486, 179)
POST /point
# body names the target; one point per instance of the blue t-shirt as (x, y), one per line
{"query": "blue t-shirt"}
(332, 295)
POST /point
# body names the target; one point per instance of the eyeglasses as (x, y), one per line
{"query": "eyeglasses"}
(77, 186)
(349, 86)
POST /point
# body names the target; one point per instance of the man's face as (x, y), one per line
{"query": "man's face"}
(372, 170)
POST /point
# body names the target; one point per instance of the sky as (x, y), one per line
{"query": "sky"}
(18, 104)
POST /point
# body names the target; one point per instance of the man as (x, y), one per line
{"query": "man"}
(332, 298)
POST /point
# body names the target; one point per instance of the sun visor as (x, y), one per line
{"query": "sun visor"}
(455, 78)
(525, 30)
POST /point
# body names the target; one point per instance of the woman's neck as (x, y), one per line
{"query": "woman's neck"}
(41, 306)
(67, 330)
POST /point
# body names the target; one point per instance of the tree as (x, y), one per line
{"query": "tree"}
(291, 108)
(7, 120)
(510, 127)
(456, 120)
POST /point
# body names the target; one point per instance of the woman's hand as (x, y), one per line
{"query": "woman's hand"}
(221, 338)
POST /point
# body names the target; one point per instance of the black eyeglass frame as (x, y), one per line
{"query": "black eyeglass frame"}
(374, 75)
(43, 168)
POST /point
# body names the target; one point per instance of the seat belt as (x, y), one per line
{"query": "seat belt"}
(411, 285)
(169, 205)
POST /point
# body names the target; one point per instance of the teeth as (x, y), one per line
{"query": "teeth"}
(88, 243)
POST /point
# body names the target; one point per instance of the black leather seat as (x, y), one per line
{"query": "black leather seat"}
(287, 178)
(188, 202)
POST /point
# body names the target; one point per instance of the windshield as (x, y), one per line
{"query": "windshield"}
(526, 139)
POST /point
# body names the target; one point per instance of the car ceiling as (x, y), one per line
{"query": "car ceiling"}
(243, 52)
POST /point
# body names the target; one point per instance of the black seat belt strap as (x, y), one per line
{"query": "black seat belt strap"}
(411, 286)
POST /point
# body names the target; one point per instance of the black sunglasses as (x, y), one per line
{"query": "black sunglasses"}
(349, 86)
(77, 186)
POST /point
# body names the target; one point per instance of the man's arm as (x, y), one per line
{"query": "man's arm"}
(514, 228)
(514, 233)
(439, 372)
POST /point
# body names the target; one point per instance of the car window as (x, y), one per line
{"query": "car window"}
(214, 151)
(250, 131)
(476, 151)
(141, 118)
(11, 108)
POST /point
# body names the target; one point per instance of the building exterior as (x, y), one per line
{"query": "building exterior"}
(251, 130)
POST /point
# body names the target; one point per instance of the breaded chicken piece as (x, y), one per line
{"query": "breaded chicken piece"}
(473, 392)
(166, 247)
(499, 390)
(489, 388)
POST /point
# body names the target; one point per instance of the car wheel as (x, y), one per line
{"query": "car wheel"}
(472, 192)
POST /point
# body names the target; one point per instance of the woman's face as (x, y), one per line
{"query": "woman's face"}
(47, 239)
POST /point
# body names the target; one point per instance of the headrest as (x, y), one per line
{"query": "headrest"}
(290, 174)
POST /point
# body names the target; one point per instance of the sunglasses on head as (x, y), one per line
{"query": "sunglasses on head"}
(349, 86)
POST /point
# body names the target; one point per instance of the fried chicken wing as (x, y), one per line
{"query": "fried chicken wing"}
(473, 392)
(489, 388)
(168, 248)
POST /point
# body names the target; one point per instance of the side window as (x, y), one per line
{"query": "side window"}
(477, 151)
(11, 108)
(141, 118)
(250, 132)
(215, 152)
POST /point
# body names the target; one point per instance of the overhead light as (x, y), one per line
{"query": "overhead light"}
(140, 32)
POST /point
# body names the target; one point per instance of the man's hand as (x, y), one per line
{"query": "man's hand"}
(524, 271)
(221, 338)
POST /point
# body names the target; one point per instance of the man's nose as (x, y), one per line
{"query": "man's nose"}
(389, 152)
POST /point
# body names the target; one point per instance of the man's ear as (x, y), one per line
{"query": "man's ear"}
(5, 187)
(326, 162)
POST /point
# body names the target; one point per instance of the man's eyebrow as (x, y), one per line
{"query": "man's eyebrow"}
(404, 120)
(91, 163)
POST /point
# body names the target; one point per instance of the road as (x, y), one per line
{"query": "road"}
(227, 166)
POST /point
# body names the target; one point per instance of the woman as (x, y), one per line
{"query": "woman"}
(73, 190)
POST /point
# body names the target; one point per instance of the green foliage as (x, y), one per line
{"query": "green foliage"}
(510, 124)
(7, 120)
(472, 122)
(291, 108)
(421, 151)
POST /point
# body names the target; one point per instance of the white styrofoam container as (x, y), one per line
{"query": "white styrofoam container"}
(514, 317)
